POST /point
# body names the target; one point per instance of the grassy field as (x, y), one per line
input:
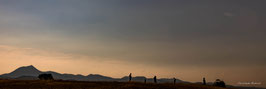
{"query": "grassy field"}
(38, 84)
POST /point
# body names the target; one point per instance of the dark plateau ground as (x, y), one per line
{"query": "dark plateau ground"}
(58, 84)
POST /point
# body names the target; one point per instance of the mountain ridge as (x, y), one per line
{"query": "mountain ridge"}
(23, 71)
(31, 72)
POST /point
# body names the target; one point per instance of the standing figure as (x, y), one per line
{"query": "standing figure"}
(174, 80)
(130, 77)
(145, 80)
(155, 79)
(204, 81)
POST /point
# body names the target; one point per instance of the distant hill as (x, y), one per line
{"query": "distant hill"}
(31, 73)
(26, 78)
(23, 71)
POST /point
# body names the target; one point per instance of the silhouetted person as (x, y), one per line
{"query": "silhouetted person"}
(145, 80)
(219, 83)
(204, 81)
(155, 79)
(130, 77)
(174, 80)
(45, 77)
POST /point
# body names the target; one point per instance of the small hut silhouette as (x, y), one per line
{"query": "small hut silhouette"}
(219, 83)
(45, 77)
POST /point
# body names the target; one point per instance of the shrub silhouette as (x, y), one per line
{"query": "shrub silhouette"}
(45, 77)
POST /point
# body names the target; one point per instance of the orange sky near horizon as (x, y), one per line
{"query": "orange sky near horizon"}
(14, 57)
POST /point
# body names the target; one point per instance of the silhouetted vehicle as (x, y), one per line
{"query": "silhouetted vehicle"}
(155, 79)
(219, 83)
(45, 77)
(204, 81)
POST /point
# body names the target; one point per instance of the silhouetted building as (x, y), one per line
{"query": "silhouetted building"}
(45, 77)
(204, 81)
(219, 83)
(155, 79)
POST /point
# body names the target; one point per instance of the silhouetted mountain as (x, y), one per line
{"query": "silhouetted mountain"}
(27, 78)
(137, 78)
(31, 73)
(97, 77)
(23, 71)
(67, 76)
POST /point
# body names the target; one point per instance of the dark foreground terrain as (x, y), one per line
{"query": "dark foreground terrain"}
(38, 84)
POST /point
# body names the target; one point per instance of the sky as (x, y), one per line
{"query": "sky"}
(186, 39)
